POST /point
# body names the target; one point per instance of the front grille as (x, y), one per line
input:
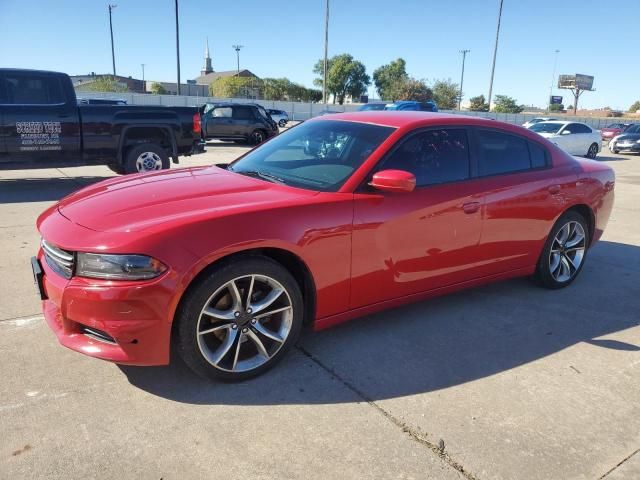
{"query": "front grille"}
(59, 260)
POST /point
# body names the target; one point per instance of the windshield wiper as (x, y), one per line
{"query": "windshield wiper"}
(263, 175)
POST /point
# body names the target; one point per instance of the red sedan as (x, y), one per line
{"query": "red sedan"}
(613, 130)
(336, 218)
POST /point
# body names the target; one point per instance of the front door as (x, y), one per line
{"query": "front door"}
(405, 243)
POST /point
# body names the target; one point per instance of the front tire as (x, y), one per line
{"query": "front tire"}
(146, 157)
(240, 320)
(564, 252)
(282, 123)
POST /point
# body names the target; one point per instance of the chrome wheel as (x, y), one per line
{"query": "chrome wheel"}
(244, 323)
(593, 151)
(148, 161)
(567, 252)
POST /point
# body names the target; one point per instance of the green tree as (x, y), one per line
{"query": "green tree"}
(445, 94)
(412, 89)
(278, 88)
(158, 89)
(345, 76)
(389, 77)
(229, 87)
(478, 104)
(105, 83)
(555, 107)
(506, 104)
(635, 107)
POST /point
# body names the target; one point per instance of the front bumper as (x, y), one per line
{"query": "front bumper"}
(132, 314)
(625, 147)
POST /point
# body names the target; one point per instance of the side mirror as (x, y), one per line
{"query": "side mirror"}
(393, 181)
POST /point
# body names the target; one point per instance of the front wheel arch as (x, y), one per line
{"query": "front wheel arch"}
(289, 260)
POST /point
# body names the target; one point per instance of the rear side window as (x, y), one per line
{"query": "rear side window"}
(29, 89)
(577, 128)
(538, 156)
(243, 113)
(434, 156)
(501, 153)
(222, 112)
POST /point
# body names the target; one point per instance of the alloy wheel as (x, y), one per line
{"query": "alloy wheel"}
(244, 323)
(593, 151)
(148, 161)
(567, 251)
(257, 137)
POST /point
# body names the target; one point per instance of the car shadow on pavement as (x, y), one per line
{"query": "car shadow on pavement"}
(220, 144)
(42, 189)
(435, 344)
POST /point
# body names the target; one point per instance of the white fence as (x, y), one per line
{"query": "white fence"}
(299, 111)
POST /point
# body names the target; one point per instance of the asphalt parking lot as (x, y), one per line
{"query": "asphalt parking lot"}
(507, 381)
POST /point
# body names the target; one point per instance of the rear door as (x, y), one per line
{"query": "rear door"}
(218, 122)
(522, 196)
(39, 118)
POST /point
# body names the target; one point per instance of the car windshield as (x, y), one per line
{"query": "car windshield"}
(316, 155)
(633, 129)
(546, 127)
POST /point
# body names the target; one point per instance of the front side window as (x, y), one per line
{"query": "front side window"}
(433, 156)
(243, 113)
(29, 89)
(316, 155)
(633, 129)
(576, 128)
(501, 153)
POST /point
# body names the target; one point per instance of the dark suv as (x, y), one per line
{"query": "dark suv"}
(240, 122)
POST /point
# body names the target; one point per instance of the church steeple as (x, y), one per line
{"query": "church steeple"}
(207, 60)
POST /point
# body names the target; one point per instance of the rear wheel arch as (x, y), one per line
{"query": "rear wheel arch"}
(587, 213)
(160, 135)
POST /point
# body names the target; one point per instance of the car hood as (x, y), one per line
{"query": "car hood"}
(628, 136)
(142, 202)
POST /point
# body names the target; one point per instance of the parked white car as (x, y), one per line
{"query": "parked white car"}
(533, 121)
(573, 137)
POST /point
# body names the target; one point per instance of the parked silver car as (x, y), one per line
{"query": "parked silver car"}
(279, 116)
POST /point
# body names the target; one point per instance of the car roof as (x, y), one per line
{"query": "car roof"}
(398, 118)
(564, 122)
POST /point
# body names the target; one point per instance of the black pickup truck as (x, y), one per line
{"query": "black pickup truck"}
(42, 125)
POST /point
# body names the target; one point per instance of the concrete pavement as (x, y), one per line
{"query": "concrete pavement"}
(506, 381)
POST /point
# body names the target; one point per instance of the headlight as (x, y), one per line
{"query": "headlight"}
(118, 267)
(638, 141)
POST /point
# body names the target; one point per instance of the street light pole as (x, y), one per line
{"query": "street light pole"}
(237, 49)
(495, 52)
(113, 54)
(464, 56)
(553, 76)
(178, 47)
(144, 87)
(326, 49)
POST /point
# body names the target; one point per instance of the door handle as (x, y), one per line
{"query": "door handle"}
(554, 189)
(471, 207)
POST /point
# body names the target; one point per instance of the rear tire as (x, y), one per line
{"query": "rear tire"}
(282, 123)
(593, 151)
(146, 157)
(564, 252)
(225, 330)
(257, 137)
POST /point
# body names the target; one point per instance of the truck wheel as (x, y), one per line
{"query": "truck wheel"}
(146, 157)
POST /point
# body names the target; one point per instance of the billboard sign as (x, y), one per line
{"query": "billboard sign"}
(555, 100)
(579, 81)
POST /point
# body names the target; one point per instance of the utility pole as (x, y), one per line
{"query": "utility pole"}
(178, 47)
(553, 77)
(495, 52)
(144, 87)
(464, 56)
(237, 49)
(113, 54)
(326, 49)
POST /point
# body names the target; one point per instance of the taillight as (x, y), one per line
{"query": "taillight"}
(197, 123)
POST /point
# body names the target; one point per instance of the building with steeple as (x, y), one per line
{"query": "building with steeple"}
(207, 60)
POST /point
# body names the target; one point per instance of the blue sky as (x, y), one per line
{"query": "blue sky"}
(285, 38)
